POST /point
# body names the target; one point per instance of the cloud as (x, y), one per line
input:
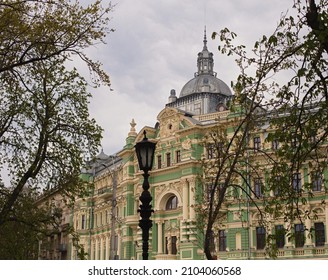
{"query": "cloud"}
(154, 49)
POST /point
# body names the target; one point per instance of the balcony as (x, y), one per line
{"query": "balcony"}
(104, 192)
(286, 253)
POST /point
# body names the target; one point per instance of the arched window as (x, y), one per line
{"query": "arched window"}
(172, 203)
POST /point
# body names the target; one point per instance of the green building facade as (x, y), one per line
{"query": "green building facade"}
(107, 220)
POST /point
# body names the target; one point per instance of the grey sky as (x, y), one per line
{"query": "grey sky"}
(154, 49)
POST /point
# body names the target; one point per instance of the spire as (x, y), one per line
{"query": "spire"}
(205, 59)
(205, 40)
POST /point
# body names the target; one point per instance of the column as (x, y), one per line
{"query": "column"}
(119, 244)
(97, 248)
(160, 237)
(101, 257)
(287, 226)
(91, 249)
(250, 232)
(107, 247)
(185, 202)
(308, 237)
(192, 186)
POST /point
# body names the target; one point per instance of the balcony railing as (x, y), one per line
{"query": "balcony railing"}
(104, 191)
(287, 253)
(165, 257)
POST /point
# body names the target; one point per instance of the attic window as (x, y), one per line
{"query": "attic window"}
(169, 126)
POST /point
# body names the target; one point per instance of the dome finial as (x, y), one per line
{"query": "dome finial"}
(205, 40)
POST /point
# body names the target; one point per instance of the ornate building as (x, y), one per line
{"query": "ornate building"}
(58, 242)
(107, 220)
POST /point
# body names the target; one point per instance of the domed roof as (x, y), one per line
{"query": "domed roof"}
(102, 155)
(205, 83)
(205, 80)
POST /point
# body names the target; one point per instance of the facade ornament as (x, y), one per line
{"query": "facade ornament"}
(132, 129)
(186, 145)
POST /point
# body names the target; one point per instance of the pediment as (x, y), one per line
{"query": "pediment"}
(168, 113)
(172, 120)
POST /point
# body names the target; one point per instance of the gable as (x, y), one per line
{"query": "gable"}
(172, 120)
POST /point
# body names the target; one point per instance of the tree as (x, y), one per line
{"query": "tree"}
(50, 134)
(228, 165)
(46, 133)
(282, 89)
(28, 225)
(36, 30)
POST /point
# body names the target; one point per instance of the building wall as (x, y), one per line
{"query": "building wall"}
(107, 219)
(58, 244)
(175, 234)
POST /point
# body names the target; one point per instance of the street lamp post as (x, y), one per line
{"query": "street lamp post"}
(113, 173)
(145, 154)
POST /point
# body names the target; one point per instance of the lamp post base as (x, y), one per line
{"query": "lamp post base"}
(145, 223)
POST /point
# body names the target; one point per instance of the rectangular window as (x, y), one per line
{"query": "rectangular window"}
(210, 188)
(257, 143)
(210, 151)
(280, 236)
(297, 182)
(275, 145)
(92, 217)
(178, 156)
(171, 245)
(159, 162)
(77, 222)
(260, 238)
(168, 159)
(212, 242)
(299, 235)
(166, 245)
(220, 149)
(316, 181)
(319, 230)
(258, 187)
(83, 222)
(222, 241)
(277, 186)
(174, 245)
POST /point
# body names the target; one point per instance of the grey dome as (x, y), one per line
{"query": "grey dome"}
(204, 93)
(102, 155)
(205, 80)
(205, 83)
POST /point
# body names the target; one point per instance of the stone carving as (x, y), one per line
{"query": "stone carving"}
(132, 129)
(186, 145)
(176, 186)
